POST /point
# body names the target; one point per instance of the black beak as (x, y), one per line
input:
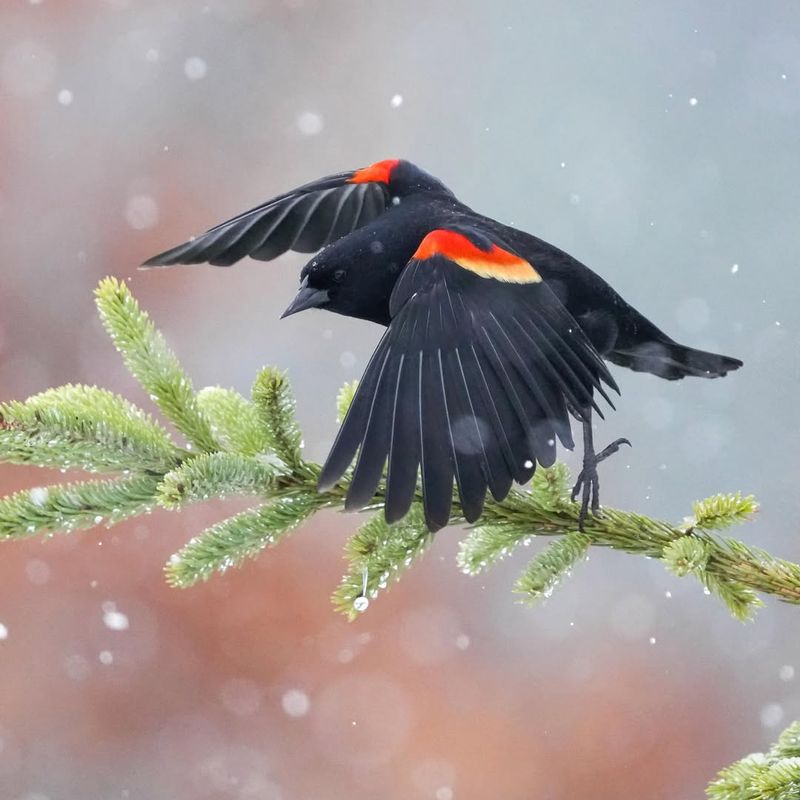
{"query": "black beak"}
(306, 298)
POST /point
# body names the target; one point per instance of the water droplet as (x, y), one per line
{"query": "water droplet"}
(693, 101)
(361, 603)
(65, 97)
(396, 101)
(38, 495)
(3, 632)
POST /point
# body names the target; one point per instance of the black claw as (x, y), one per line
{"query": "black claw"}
(588, 483)
(611, 449)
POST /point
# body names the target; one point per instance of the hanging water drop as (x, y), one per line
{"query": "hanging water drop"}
(361, 603)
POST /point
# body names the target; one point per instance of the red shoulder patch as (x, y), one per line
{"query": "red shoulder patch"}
(492, 263)
(379, 172)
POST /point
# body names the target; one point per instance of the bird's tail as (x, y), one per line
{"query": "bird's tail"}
(673, 361)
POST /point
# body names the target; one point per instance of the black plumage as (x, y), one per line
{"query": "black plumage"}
(494, 339)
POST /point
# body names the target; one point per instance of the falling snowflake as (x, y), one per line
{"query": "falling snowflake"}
(195, 68)
(295, 703)
(113, 619)
(309, 123)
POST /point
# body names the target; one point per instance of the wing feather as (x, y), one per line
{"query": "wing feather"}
(435, 459)
(376, 437)
(467, 445)
(472, 383)
(404, 447)
(498, 474)
(304, 220)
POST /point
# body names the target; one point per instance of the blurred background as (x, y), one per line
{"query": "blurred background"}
(657, 142)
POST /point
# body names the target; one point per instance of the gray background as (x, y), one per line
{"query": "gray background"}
(657, 142)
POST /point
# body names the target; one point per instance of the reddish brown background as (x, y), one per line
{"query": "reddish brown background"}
(572, 120)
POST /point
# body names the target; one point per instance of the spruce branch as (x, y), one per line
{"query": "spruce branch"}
(230, 542)
(722, 511)
(254, 447)
(152, 363)
(275, 406)
(545, 572)
(344, 400)
(75, 506)
(217, 475)
(86, 428)
(234, 421)
(763, 776)
(377, 553)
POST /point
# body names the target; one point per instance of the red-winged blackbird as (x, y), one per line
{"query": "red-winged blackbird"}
(494, 337)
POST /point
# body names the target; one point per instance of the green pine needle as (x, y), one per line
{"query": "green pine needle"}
(218, 475)
(345, 400)
(723, 511)
(83, 427)
(788, 744)
(275, 406)
(548, 568)
(230, 542)
(771, 776)
(686, 556)
(234, 421)
(75, 506)
(378, 553)
(152, 363)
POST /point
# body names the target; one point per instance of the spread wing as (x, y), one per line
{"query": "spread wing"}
(472, 382)
(305, 220)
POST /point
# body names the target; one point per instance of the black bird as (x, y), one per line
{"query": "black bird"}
(494, 337)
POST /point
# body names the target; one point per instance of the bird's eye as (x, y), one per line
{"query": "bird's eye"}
(338, 276)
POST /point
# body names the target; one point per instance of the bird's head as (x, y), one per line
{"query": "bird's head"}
(343, 285)
(320, 287)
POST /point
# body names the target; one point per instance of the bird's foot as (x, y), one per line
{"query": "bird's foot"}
(588, 483)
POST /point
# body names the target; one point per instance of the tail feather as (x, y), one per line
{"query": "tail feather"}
(673, 361)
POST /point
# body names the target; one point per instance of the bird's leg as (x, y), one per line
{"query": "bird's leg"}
(588, 483)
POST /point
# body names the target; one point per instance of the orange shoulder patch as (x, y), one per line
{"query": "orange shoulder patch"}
(379, 172)
(492, 263)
